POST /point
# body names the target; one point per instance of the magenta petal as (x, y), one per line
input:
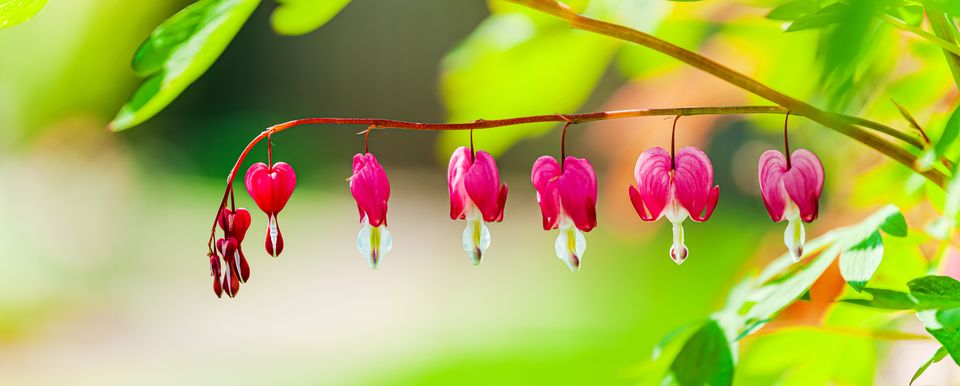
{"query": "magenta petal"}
(652, 174)
(234, 224)
(804, 183)
(693, 179)
(543, 176)
(459, 164)
(578, 192)
(771, 169)
(482, 183)
(503, 202)
(370, 188)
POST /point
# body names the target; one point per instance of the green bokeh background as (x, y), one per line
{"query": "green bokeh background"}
(104, 278)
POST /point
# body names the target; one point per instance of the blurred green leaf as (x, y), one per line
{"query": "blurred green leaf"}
(885, 299)
(298, 17)
(937, 357)
(950, 132)
(950, 7)
(705, 359)
(910, 14)
(804, 356)
(792, 10)
(178, 52)
(829, 15)
(13, 12)
(510, 66)
(859, 262)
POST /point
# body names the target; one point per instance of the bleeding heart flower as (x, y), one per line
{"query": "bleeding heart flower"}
(475, 195)
(568, 199)
(371, 190)
(271, 187)
(791, 189)
(227, 248)
(215, 272)
(674, 188)
(235, 225)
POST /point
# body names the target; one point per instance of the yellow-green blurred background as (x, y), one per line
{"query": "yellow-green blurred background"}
(103, 273)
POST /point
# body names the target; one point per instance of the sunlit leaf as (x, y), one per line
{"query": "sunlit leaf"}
(944, 325)
(950, 132)
(885, 299)
(705, 359)
(937, 357)
(859, 262)
(298, 17)
(178, 52)
(950, 7)
(895, 225)
(13, 12)
(792, 10)
(829, 15)
(936, 291)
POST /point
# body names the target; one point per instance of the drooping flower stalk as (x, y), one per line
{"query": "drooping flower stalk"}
(676, 187)
(271, 187)
(568, 197)
(476, 195)
(371, 189)
(790, 189)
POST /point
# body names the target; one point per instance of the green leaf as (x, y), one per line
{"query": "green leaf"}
(950, 7)
(178, 52)
(792, 10)
(298, 17)
(937, 357)
(885, 299)
(944, 325)
(935, 291)
(13, 12)
(858, 264)
(829, 15)
(895, 225)
(705, 359)
(950, 132)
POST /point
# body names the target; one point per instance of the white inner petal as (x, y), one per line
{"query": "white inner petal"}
(476, 239)
(570, 244)
(794, 237)
(374, 243)
(274, 231)
(678, 251)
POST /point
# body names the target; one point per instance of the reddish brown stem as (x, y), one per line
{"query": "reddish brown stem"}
(376, 123)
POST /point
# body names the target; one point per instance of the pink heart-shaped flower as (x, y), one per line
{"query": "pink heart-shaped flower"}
(270, 186)
(800, 184)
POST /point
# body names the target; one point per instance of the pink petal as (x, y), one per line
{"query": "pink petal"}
(482, 184)
(545, 172)
(284, 181)
(693, 180)
(459, 164)
(652, 174)
(578, 192)
(503, 202)
(370, 188)
(804, 182)
(771, 169)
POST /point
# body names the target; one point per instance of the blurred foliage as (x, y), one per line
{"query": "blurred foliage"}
(298, 17)
(782, 326)
(13, 12)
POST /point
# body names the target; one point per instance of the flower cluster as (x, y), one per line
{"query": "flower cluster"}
(672, 185)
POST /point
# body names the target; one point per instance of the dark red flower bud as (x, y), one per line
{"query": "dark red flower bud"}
(215, 272)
